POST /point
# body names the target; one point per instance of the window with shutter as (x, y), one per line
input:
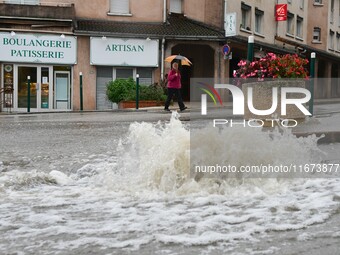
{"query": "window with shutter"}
(176, 6)
(316, 34)
(119, 6)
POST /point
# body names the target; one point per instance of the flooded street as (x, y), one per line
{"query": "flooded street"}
(94, 183)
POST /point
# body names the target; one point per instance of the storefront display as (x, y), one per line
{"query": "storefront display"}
(37, 59)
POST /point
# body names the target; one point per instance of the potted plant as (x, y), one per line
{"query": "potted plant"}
(268, 72)
(123, 92)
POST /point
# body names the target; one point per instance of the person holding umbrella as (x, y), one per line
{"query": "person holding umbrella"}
(174, 88)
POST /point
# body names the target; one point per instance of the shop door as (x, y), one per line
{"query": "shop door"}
(25, 72)
(40, 87)
(62, 90)
(104, 75)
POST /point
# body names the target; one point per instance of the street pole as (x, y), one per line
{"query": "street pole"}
(312, 76)
(28, 93)
(137, 91)
(81, 90)
(250, 53)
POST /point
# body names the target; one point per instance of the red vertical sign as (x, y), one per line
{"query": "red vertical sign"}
(281, 12)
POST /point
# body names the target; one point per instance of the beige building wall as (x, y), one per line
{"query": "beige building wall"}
(334, 25)
(299, 8)
(89, 76)
(141, 11)
(268, 25)
(208, 11)
(270, 28)
(318, 18)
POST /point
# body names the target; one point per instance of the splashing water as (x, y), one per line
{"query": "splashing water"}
(144, 200)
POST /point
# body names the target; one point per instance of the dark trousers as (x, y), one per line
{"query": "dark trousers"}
(177, 93)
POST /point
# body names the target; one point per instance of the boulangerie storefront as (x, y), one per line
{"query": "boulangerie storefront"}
(47, 60)
(121, 58)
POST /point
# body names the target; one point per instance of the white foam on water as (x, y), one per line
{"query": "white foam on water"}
(146, 196)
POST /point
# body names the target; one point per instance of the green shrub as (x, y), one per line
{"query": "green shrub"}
(119, 89)
(125, 90)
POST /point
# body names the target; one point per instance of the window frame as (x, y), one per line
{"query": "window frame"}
(299, 24)
(302, 4)
(246, 17)
(290, 24)
(259, 17)
(172, 2)
(318, 30)
(331, 40)
(318, 3)
(111, 12)
(338, 41)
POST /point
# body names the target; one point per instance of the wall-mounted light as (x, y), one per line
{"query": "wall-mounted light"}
(104, 38)
(12, 33)
(148, 39)
(62, 36)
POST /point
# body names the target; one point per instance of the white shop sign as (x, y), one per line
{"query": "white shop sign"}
(124, 52)
(38, 48)
(230, 24)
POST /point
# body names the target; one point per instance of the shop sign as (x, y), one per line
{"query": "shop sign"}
(38, 48)
(124, 52)
(281, 12)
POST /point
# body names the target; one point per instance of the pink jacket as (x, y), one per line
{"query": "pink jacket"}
(174, 81)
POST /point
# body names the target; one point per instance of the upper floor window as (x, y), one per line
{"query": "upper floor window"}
(290, 23)
(258, 21)
(33, 2)
(246, 16)
(299, 27)
(302, 4)
(338, 41)
(317, 34)
(331, 40)
(176, 6)
(119, 7)
(332, 12)
(317, 1)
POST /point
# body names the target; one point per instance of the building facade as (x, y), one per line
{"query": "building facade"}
(102, 42)
(310, 26)
(37, 46)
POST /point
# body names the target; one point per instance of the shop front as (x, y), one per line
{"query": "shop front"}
(37, 71)
(118, 58)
